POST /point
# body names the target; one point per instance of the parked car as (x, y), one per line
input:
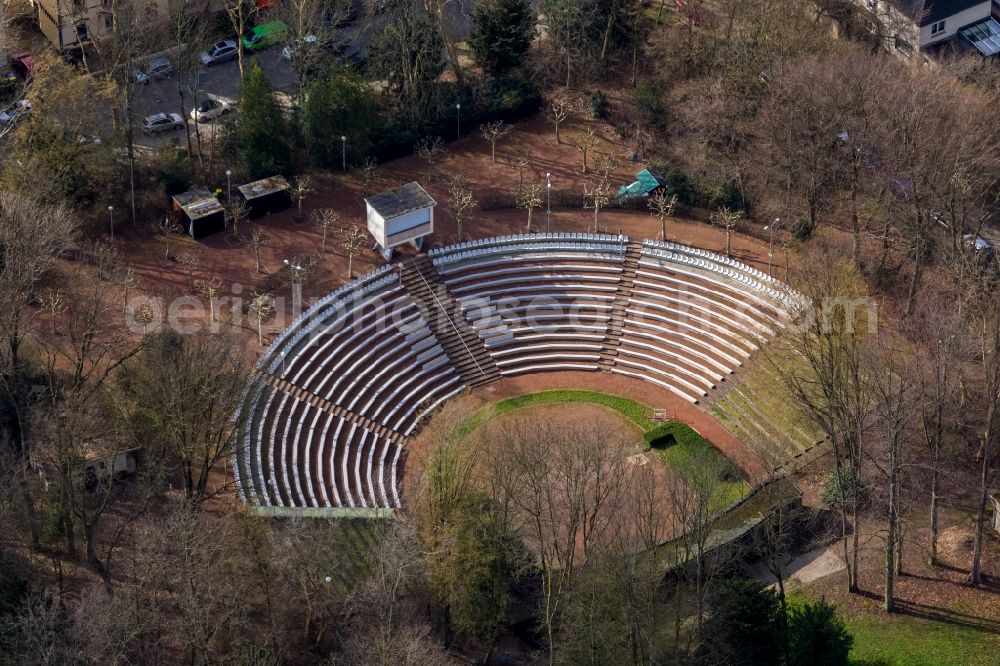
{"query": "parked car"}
(208, 109)
(15, 113)
(291, 50)
(219, 52)
(162, 122)
(264, 35)
(154, 70)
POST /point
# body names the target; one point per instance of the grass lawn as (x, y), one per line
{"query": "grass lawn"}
(687, 441)
(911, 641)
(905, 640)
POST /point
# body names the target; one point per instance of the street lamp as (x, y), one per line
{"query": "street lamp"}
(548, 202)
(229, 187)
(770, 241)
(296, 287)
(282, 364)
(111, 221)
(458, 120)
(343, 154)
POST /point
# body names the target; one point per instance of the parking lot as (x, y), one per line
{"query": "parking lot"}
(220, 81)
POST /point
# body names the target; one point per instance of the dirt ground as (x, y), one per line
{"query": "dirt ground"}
(629, 387)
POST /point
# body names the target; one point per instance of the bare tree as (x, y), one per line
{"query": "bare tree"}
(258, 240)
(662, 206)
(729, 221)
(530, 198)
(557, 112)
(597, 198)
(165, 232)
(302, 188)
(493, 132)
(241, 14)
(585, 143)
(238, 210)
(324, 219)
(460, 202)
(369, 174)
(191, 262)
(210, 289)
(431, 151)
(519, 164)
(261, 307)
(351, 240)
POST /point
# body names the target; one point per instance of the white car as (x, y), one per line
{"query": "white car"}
(162, 122)
(291, 50)
(209, 109)
(219, 52)
(15, 112)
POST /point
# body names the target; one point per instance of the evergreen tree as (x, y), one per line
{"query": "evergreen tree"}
(338, 105)
(743, 626)
(261, 137)
(502, 34)
(817, 637)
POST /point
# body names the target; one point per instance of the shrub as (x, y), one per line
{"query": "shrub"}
(744, 626)
(817, 637)
(670, 433)
(802, 230)
(841, 488)
(598, 106)
(649, 100)
(338, 104)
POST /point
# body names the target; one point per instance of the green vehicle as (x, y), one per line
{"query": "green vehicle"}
(264, 35)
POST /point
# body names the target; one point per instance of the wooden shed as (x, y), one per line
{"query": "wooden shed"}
(265, 196)
(199, 212)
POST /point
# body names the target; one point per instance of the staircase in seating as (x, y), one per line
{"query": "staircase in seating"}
(612, 339)
(461, 343)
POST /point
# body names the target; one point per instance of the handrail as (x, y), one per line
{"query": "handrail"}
(450, 320)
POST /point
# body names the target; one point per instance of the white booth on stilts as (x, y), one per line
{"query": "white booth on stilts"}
(404, 215)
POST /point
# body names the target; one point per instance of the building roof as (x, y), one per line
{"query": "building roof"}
(263, 187)
(984, 35)
(198, 203)
(936, 10)
(406, 199)
(646, 182)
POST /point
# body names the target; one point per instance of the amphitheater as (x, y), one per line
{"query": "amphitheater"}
(338, 396)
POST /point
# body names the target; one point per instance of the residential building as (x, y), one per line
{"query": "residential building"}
(962, 25)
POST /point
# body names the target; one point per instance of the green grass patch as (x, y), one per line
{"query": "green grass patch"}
(679, 446)
(636, 412)
(904, 640)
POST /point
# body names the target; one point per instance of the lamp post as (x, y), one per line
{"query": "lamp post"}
(111, 221)
(229, 188)
(343, 153)
(770, 242)
(458, 120)
(282, 363)
(548, 202)
(296, 287)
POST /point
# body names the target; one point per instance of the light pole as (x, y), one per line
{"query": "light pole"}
(548, 202)
(343, 153)
(229, 188)
(770, 242)
(282, 363)
(458, 121)
(296, 287)
(111, 221)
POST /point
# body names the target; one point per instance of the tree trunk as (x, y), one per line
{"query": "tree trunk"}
(911, 296)
(975, 573)
(933, 538)
(889, 602)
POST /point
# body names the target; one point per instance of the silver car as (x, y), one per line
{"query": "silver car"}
(219, 52)
(162, 122)
(155, 69)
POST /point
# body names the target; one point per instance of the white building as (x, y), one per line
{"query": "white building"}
(962, 24)
(405, 215)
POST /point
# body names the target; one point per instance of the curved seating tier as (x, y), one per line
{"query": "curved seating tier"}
(324, 422)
